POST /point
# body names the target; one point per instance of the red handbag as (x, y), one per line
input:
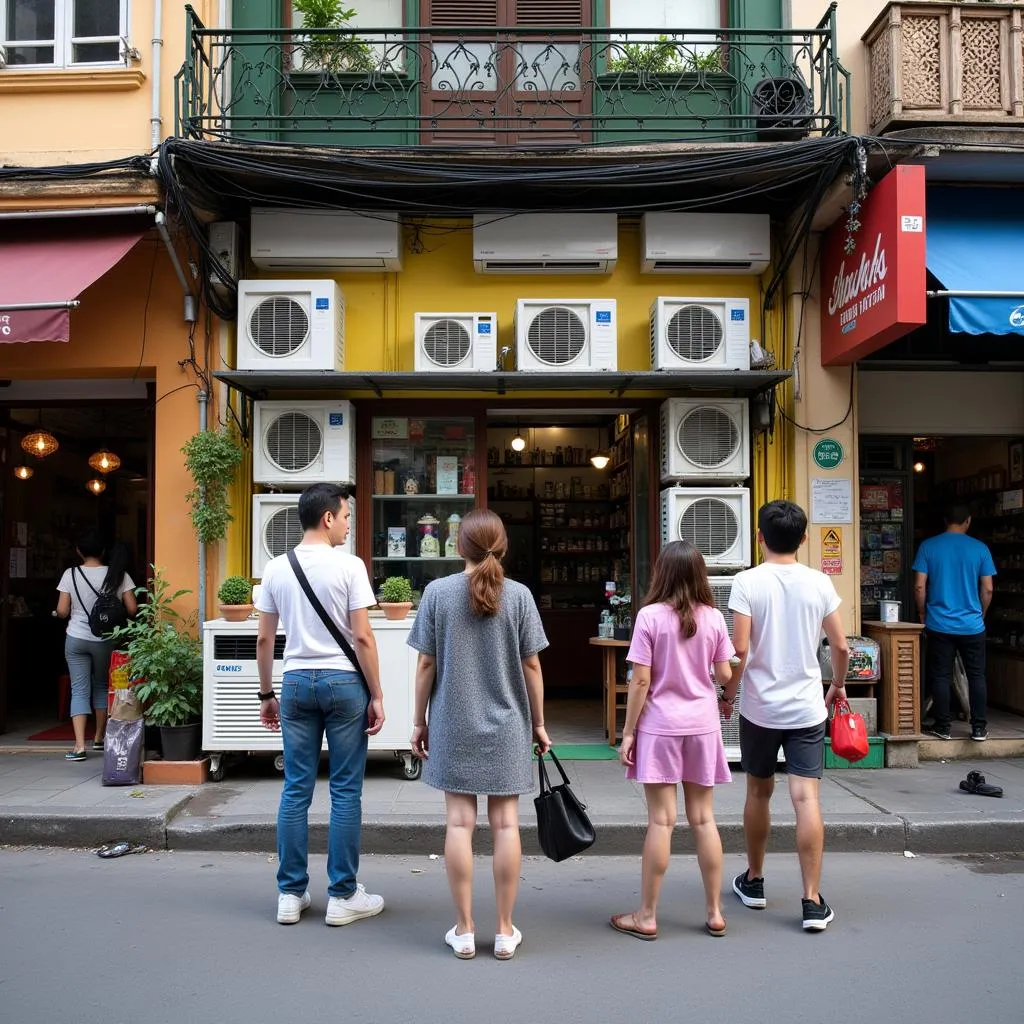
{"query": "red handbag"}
(848, 732)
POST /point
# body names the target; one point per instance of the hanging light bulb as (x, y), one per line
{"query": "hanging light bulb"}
(23, 472)
(104, 461)
(600, 459)
(518, 442)
(96, 486)
(39, 443)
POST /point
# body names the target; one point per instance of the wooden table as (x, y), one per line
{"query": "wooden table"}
(609, 648)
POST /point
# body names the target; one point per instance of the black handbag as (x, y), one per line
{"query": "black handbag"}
(563, 828)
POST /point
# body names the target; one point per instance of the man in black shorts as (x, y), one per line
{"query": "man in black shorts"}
(779, 610)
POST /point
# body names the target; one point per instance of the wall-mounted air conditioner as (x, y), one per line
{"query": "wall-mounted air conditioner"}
(301, 443)
(460, 342)
(545, 243)
(286, 239)
(705, 243)
(700, 334)
(276, 529)
(566, 335)
(290, 325)
(705, 439)
(715, 520)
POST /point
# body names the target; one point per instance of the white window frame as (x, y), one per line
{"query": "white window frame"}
(65, 42)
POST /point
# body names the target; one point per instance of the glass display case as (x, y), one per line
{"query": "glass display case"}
(424, 482)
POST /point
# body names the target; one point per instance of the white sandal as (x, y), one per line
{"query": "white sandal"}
(463, 946)
(505, 946)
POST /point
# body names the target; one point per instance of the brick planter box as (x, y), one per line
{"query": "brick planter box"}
(175, 773)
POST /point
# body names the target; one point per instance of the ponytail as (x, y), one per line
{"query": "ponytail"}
(485, 585)
(483, 542)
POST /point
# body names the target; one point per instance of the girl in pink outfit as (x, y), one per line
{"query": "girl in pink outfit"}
(680, 650)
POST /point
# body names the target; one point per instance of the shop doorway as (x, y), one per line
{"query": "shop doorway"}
(51, 497)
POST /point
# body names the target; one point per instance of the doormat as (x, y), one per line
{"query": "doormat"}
(63, 732)
(585, 752)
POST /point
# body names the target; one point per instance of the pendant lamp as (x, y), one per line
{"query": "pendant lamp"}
(96, 485)
(39, 443)
(23, 472)
(104, 461)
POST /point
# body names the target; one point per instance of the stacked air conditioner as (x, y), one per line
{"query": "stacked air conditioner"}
(276, 528)
(566, 335)
(456, 342)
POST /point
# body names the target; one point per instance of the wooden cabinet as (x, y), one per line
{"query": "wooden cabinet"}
(899, 705)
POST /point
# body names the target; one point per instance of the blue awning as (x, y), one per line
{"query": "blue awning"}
(975, 241)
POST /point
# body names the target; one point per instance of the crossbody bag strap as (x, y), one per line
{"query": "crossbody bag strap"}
(329, 624)
(87, 580)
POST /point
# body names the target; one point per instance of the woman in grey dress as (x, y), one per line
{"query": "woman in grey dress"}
(479, 636)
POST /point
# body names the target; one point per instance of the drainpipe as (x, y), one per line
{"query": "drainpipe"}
(191, 312)
(203, 401)
(155, 120)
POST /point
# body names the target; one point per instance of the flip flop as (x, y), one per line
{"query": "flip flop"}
(616, 923)
(975, 783)
(112, 850)
(716, 933)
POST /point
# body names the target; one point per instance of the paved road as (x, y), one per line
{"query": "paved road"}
(174, 937)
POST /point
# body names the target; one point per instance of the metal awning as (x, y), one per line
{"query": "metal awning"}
(260, 384)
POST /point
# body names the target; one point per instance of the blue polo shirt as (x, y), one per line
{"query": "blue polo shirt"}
(954, 563)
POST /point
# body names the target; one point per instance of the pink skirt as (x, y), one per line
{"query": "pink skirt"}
(697, 759)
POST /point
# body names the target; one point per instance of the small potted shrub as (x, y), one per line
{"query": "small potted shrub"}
(235, 597)
(396, 597)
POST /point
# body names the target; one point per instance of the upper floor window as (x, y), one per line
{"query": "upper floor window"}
(368, 13)
(668, 14)
(63, 33)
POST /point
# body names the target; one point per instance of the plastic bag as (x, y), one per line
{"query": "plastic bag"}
(122, 752)
(118, 677)
(848, 732)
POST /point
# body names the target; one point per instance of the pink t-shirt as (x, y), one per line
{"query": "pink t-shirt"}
(683, 698)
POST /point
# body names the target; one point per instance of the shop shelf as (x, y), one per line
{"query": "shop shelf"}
(425, 497)
(412, 558)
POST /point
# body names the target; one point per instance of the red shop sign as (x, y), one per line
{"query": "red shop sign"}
(877, 294)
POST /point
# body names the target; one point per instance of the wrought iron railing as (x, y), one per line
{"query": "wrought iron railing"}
(510, 86)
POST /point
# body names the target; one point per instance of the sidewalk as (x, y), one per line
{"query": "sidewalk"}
(47, 801)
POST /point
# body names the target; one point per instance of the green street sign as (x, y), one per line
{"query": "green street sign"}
(828, 453)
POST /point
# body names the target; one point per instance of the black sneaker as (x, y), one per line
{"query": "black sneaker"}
(979, 733)
(750, 891)
(817, 914)
(941, 732)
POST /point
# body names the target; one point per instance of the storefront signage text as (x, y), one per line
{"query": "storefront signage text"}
(827, 453)
(875, 294)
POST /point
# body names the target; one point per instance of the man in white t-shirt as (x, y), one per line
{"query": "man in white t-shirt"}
(322, 691)
(779, 610)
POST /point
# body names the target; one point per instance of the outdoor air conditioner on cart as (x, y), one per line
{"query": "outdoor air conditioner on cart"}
(276, 529)
(545, 243)
(721, 588)
(287, 239)
(460, 342)
(303, 443)
(705, 243)
(290, 325)
(700, 334)
(705, 439)
(566, 334)
(715, 520)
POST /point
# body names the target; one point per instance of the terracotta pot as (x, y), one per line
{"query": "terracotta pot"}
(235, 612)
(396, 612)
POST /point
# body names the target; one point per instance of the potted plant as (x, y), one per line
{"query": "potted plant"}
(166, 666)
(235, 597)
(335, 51)
(396, 597)
(212, 458)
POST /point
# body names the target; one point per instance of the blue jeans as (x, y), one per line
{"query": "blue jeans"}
(89, 669)
(312, 702)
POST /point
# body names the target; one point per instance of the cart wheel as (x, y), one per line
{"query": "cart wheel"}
(412, 767)
(216, 768)
(279, 762)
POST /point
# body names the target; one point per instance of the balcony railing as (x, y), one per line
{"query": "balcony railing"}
(948, 64)
(509, 86)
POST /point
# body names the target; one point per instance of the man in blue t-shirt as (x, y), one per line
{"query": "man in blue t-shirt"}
(953, 589)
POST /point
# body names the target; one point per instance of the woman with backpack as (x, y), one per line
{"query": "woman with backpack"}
(96, 598)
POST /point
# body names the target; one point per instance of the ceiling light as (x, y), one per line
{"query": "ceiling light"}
(600, 460)
(919, 467)
(39, 443)
(104, 461)
(23, 472)
(518, 442)
(96, 486)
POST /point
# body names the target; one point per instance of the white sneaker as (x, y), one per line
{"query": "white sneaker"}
(357, 906)
(290, 906)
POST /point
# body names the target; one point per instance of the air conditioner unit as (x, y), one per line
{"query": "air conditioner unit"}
(545, 243)
(721, 590)
(460, 342)
(716, 520)
(705, 243)
(566, 334)
(700, 334)
(290, 325)
(286, 239)
(705, 439)
(276, 529)
(302, 443)
(222, 236)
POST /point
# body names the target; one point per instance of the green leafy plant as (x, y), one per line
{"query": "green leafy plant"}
(164, 655)
(235, 590)
(396, 590)
(663, 56)
(212, 457)
(337, 51)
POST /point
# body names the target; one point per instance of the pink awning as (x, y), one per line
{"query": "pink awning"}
(52, 271)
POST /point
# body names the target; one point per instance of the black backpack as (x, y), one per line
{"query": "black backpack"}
(107, 614)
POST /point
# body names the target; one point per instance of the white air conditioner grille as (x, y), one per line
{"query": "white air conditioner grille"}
(447, 343)
(557, 336)
(278, 326)
(282, 531)
(708, 437)
(294, 441)
(710, 525)
(694, 333)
